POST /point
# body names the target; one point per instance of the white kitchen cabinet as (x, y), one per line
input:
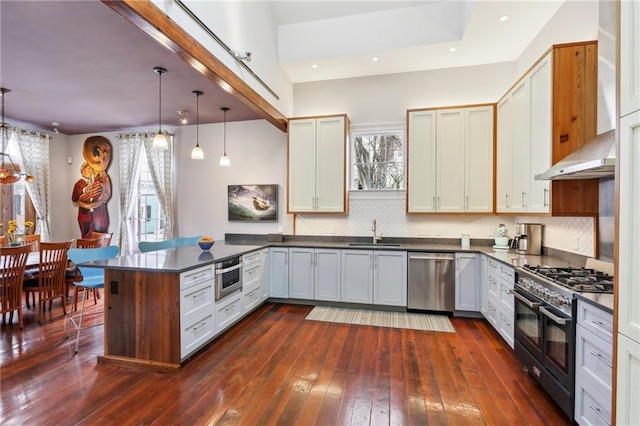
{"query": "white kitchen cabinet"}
(593, 364)
(450, 170)
(197, 323)
(357, 276)
(252, 280)
(627, 389)
(316, 164)
(478, 160)
(390, 278)
(314, 274)
(450, 160)
(301, 273)
(629, 57)
(327, 274)
(467, 285)
(537, 197)
(279, 272)
(629, 225)
(484, 285)
(549, 113)
(500, 309)
(264, 279)
(421, 161)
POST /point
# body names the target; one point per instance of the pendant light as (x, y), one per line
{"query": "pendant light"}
(224, 160)
(9, 173)
(160, 140)
(196, 152)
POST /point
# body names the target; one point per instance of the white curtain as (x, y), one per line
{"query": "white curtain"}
(161, 166)
(33, 150)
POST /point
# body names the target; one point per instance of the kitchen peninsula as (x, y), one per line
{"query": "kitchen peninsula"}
(159, 306)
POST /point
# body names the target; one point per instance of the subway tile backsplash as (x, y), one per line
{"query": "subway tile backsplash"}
(570, 234)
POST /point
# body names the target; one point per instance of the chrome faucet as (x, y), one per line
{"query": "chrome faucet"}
(376, 238)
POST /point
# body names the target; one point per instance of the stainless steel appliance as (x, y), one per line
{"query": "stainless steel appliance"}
(528, 239)
(228, 276)
(545, 324)
(431, 282)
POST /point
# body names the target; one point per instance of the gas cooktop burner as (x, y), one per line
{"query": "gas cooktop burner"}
(577, 279)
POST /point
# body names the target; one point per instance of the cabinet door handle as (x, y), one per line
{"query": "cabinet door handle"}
(466, 203)
(434, 203)
(601, 358)
(545, 198)
(524, 203)
(506, 200)
(597, 410)
(438, 202)
(601, 324)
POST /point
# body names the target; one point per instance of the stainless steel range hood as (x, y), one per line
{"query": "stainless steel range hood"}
(596, 159)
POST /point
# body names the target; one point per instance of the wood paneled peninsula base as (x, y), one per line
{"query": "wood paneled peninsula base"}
(142, 300)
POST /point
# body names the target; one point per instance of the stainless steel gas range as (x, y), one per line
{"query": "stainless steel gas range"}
(545, 324)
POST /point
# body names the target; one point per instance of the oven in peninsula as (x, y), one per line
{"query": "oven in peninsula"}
(228, 276)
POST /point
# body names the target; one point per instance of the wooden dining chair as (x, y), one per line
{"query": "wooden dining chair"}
(50, 282)
(105, 238)
(85, 243)
(33, 240)
(92, 278)
(12, 264)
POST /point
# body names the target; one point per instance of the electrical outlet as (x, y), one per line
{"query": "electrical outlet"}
(422, 231)
(332, 230)
(279, 228)
(490, 232)
(576, 243)
(437, 232)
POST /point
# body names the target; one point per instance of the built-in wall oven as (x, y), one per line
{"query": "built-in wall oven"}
(545, 324)
(228, 276)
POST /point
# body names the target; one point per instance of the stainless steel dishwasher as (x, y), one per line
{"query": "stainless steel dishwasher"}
(431, 281)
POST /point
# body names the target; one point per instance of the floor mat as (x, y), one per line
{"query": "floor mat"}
(410, 320)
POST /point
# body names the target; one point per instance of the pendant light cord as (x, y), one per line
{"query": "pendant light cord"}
(225, 131)
(198, 118)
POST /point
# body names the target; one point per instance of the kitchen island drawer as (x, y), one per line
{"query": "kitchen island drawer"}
(195, 335)
(196, 300)
(196, 276)
(228, 311)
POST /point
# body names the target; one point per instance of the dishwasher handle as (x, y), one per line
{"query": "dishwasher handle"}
(427, 257)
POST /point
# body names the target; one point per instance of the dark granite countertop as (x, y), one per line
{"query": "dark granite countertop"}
(176, 260)
(603, 301)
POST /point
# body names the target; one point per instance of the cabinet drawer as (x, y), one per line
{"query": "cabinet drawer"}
(506, 326)
(506, 297)
(251, 275)
(195, 276)
(228, 311)
(251, 258)
(492, 313)
(194, 301)
(494, 287)
(499, 269)
(594, 359)
(595, 320)
(251, 299)
(197, 334)
(592, 408)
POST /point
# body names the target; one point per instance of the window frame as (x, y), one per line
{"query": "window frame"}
(371, 129)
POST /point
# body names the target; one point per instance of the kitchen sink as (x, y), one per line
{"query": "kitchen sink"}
(373, 245)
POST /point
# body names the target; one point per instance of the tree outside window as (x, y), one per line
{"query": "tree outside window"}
(378, 160)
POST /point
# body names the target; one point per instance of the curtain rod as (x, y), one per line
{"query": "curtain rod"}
(231, 52)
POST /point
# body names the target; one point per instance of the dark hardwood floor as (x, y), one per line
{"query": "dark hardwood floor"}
(275, 368)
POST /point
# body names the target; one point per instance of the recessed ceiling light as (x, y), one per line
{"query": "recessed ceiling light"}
(504, 18)
(375, 59)
(314, 66)
(452, 49)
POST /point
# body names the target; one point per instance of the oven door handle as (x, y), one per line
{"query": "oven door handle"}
(529, 303)
(232, 268)
(558, 320)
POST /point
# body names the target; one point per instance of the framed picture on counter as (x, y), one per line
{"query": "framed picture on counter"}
(253, 203)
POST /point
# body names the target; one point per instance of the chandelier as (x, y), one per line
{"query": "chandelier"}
(9, 172)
